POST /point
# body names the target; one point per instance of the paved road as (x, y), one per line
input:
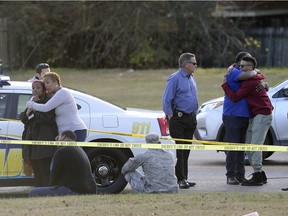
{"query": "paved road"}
(207, 169)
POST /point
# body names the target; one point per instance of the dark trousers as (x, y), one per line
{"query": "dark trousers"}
(51, 191)
(41, 169)
(236, 128)
(81, 135)
(183, 128)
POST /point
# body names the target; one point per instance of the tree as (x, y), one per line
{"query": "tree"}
(119, 34)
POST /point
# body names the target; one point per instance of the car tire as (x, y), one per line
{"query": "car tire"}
(106, 165)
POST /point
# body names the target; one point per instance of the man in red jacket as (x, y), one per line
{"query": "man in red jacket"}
(261, 109)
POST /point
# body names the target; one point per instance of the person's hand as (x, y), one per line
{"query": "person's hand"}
(169, 116)
(35, 98)
(27, 167)
(28, 111)
(229, 69)
(262, 86)
(225, 79)
(57, 138)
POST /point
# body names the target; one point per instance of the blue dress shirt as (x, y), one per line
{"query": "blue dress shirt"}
(180, 93)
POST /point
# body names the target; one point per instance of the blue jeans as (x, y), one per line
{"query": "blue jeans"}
(236, 128)
(81, 135)
(51, 191)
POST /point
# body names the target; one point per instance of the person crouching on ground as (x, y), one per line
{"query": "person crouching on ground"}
(158, 166)
(70, 171)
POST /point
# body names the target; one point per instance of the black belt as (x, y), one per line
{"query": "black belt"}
(181, 113)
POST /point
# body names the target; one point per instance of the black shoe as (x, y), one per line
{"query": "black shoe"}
(284, 189)
(264, 177)
(256, 180)
(232, 181)
(191, 184)
(183, 184)
(241, 178)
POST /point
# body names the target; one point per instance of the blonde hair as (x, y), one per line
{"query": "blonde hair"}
(53, 76)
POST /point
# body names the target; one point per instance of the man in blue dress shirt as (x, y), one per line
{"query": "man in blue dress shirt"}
(180, 104)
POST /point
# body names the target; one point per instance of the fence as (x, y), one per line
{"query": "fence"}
(274, 46)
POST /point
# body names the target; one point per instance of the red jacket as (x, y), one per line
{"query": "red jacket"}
(259, 102)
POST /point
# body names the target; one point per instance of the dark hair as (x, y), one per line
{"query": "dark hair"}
(240, 55)
(251, 60)
(41, 66)
(184, 58)
(41, 82)
(69, 134)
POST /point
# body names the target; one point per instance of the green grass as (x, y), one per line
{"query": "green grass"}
(144, 89)
(193, 203)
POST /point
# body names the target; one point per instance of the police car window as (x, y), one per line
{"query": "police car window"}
(22, 100)
(280, 94)
(3, 102)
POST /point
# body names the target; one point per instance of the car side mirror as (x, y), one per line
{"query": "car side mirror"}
(285, 91)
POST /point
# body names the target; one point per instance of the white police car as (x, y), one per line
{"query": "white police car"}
(210, 126)
(97, 114)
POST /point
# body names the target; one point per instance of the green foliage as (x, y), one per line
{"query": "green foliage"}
(102, 34)
(252, 43)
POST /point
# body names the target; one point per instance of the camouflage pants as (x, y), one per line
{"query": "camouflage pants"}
(136, 181)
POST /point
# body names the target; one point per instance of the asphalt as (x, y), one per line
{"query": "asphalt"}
(207, 169)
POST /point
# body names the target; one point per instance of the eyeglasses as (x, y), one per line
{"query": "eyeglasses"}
(194, 63)
(241, 66)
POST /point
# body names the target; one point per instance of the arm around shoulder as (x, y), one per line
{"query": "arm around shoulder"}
(247, 75)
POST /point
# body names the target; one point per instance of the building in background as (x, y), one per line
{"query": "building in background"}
(267, 32)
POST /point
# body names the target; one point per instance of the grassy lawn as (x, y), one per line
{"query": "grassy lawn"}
(216, 204)
(144, 89)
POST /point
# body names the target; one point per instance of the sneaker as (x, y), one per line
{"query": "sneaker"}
(256, 180)
(232, 181)
(264, 177)
(183, 184)
(241, 178)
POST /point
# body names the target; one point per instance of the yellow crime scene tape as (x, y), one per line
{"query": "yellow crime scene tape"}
(202, 144)
(196, 144)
